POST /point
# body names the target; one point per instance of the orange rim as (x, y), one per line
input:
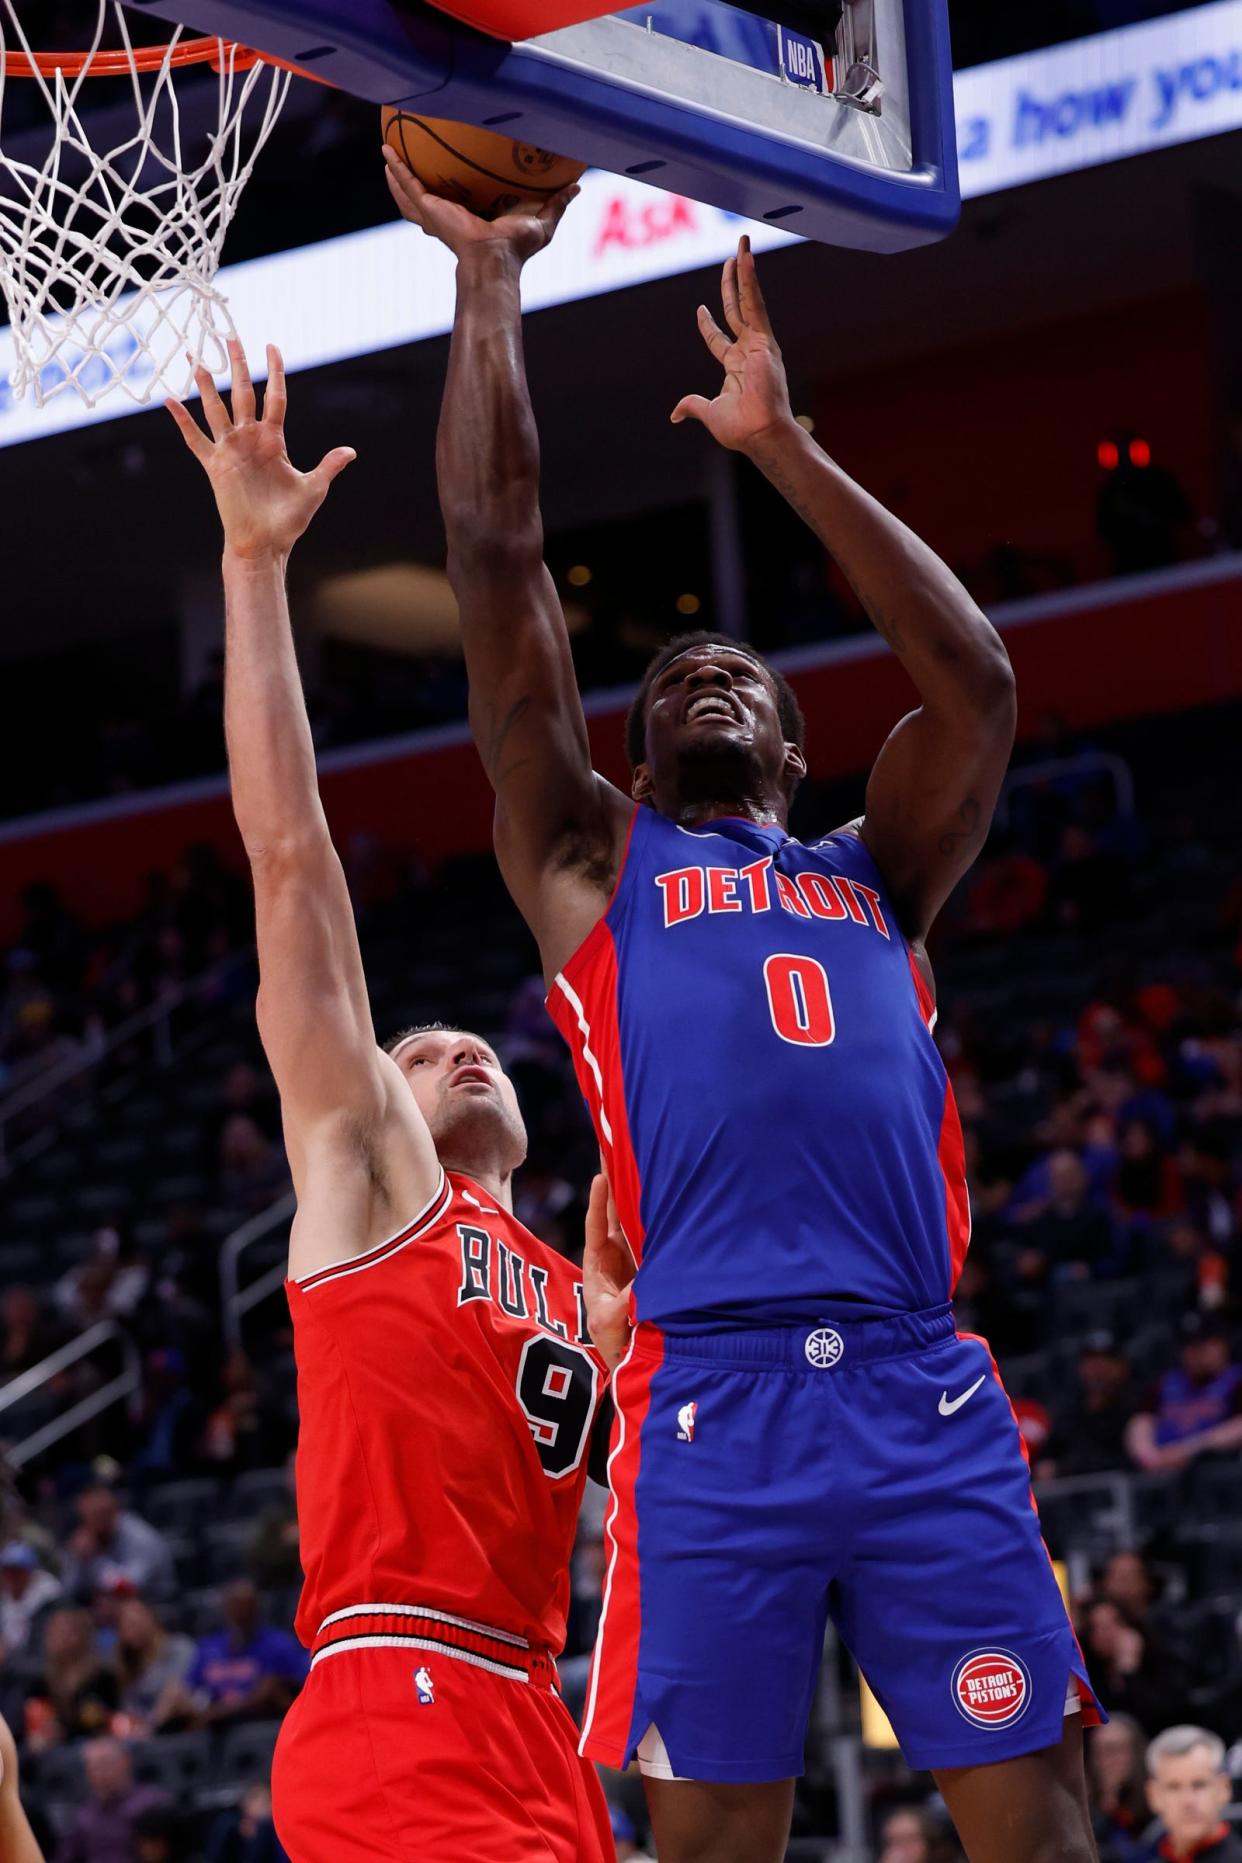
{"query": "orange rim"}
(144, 58)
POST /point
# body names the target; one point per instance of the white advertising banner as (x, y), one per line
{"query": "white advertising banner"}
(1019, 120)
(1096, 100)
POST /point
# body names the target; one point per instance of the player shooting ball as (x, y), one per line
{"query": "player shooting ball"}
(751, 1021)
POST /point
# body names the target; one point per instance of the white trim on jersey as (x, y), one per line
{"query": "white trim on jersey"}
(588, 1717)
(430, 1214)
(575, 1003)
(379, 1642)
(420, 1610)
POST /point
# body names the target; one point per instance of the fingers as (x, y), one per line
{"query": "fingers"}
(713, 335)
(690, 407)
(243, 387)
(333, 464)
(597, 1210)
(275, 395)
(214, 410)
(729, 297)
(750, 295)
(191, 432)
(404, 186)
(552, 212)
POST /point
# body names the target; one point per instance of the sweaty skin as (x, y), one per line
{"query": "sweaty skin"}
(560, 829)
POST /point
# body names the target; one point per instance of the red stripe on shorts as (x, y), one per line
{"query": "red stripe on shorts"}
(614, 1667)
(1090, 1713)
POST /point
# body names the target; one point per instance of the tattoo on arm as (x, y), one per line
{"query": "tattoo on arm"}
(968, 814)
(514, 716)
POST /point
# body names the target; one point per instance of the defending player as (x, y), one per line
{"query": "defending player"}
(800, 1429)
(446, 1384)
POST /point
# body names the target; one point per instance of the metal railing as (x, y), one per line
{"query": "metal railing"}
(125, 1385)
(1085, 763)
(156, 1019)
(236, 1301)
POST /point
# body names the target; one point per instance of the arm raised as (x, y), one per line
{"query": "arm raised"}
(340, 1096)
(559, 827)
(934, 785)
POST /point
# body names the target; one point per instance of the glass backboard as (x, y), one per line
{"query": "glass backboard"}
(832, 118)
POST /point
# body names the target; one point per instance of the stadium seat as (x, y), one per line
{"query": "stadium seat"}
(179, 1764)
(246, 1753)
(59, 1776)
(1216, 1488)
(182, 1506)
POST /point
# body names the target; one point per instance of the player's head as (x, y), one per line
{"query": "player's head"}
(713, 722)
(464, 1095)
(1187, 1785)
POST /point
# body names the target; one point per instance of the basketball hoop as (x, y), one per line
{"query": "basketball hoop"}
(108, 255)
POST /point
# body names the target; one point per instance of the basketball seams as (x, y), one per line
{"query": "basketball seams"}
(400, 117)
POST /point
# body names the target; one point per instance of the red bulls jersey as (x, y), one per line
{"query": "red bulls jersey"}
(447, 1390)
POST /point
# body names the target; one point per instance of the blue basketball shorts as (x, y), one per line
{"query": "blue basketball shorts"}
(763, 1481)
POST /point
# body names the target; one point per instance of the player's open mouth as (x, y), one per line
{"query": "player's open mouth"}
(471, 1077)
(710, 705)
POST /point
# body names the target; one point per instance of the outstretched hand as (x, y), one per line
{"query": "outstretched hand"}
(607, 1272)
(753, 403)
(265, 503)
(524, 232)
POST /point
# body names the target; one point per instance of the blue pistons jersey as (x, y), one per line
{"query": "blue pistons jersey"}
(755, 1045)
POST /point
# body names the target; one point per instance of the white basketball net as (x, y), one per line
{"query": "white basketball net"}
(108, 256)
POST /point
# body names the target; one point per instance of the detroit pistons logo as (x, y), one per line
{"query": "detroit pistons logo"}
(991, 1688)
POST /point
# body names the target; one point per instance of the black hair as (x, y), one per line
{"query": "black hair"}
(788, 709)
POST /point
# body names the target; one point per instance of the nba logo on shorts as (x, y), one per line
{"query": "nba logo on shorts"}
(685, 1422)
(425, 1686)
(991, 1688)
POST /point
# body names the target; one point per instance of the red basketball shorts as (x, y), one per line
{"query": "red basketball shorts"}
(398, 1751)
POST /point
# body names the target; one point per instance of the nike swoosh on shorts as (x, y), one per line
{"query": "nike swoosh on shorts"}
(949, 1405)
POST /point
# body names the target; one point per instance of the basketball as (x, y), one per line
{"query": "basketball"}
(488, 173)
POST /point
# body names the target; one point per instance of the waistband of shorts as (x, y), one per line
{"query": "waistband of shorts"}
(816, 1345)
(417, 1627)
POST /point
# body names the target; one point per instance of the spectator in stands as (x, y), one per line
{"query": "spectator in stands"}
(1194, 1408)
(1008, 892)
(166, 1426)
(103, 1831)
(1148, 1183)
(77, 1693)
(27, 1336)
(246, 1671)
(26, 1591)
(273, 1555)
(914, 1834)
(1188, 1788)
(247, 1835)
(252, 1169)
(236, 1434)
(1116, 1780)
(109, 1540)
(159, 1835)
(1089, 1428)
(1068, 1236)
(151, 1664)
(1131, 1672)
(1126, 1580)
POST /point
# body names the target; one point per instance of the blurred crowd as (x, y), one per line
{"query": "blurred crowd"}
(1089, 972)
